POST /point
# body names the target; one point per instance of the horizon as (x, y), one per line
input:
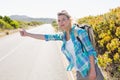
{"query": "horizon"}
(49, 9)
(55, 18)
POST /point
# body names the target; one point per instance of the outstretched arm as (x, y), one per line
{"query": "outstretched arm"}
(23, 33)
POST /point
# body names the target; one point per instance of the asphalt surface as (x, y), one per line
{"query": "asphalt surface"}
(25, 58)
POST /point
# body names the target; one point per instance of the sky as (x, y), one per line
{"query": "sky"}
(50, 8)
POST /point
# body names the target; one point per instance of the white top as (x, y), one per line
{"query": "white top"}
(70, 48)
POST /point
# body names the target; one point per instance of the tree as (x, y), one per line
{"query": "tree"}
(7, 19)
(15, 24)
(1, 17)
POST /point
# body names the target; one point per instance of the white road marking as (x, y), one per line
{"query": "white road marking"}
(72, 76)
(11, 52)
(65, 63)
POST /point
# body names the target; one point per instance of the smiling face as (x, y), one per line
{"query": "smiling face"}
(64, 22)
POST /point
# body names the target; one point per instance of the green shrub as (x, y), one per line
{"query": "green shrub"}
(4, 25)
(107, 35)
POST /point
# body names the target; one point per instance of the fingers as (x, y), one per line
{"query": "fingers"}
(22, 32)
(92, 76)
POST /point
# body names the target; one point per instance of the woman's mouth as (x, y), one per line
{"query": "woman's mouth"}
(62, 25)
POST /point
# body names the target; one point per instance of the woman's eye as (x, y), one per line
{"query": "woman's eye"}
(63, 20)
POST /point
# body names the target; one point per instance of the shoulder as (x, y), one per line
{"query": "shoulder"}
(79, 30)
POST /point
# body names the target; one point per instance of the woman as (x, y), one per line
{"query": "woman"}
(85, 63)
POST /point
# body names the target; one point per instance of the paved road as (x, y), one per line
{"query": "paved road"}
(25, 58)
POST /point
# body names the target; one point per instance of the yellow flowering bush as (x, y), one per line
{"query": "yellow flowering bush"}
(107, 35)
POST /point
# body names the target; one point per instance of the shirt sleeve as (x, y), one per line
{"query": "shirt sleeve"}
(49, 37)
(83, 35)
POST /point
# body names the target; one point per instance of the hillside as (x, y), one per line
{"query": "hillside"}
(29, 19)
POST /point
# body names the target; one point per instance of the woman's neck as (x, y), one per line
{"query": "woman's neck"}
(67, 35)
(68, 30)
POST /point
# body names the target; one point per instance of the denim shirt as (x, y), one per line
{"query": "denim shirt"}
(82, 58)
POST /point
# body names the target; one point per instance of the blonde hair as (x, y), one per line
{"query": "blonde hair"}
(64, 12)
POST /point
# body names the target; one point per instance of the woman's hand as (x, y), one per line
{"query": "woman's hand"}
(23, 32)
(92, 74)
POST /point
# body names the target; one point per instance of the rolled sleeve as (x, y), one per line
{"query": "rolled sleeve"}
(49, 37)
